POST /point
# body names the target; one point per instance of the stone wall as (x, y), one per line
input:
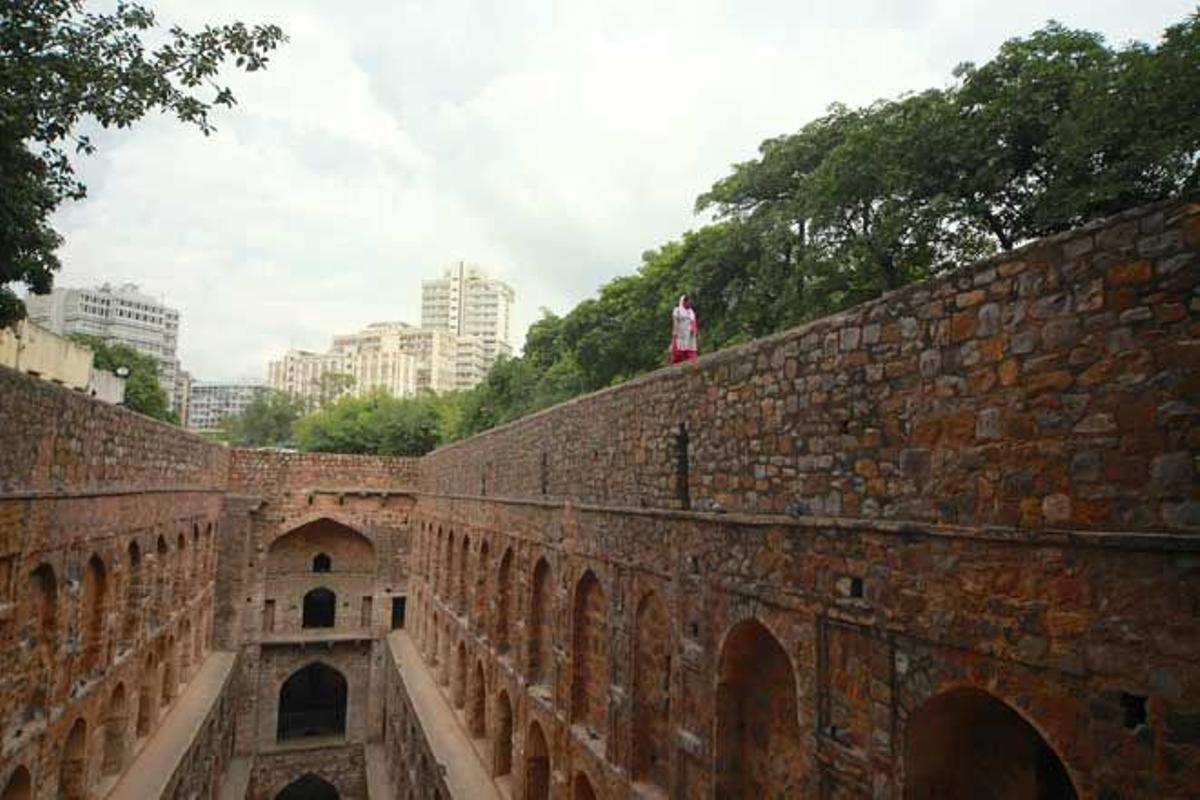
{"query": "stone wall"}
(954, 526)
(306, 524)
(342, 767)
(108, 525)
(1050, 387)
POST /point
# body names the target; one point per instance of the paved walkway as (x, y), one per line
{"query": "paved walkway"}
(466, 774)
(151, 770)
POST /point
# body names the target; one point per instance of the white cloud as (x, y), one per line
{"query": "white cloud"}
(553, 142)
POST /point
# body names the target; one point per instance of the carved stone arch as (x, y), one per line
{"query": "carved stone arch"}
(293, 548)
(313, 702)
(589, 654)
(19, 785)
(965, 740)
(72, 770)
(541, 622)
(537, 763)
(582, 787)
(757, 734)
(116, 724)
(651, 678)
(504, 601)
(309, 786)
(96, 591)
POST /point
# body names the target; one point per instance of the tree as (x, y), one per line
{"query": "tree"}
(329, 386)
(1055, 129)
(267, 422)
(143, 391)
(376, 423)
(61, 65)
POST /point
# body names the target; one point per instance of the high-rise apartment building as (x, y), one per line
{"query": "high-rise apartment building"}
(116, 315)
(209, 403)
(469, 303)
(392, 356)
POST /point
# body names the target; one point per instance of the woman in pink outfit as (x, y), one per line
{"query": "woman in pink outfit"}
(683, 331)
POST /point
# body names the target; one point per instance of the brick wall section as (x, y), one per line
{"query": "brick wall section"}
(108, 531)
(1080, 637)
(52, 439)
(273, 472)
(1050, 387)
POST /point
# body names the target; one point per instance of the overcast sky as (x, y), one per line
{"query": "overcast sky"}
(551, 142)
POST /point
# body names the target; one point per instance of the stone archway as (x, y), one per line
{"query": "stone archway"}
(319, 609)
(309, 787)
(72, 774)
(95, 608)
(581, 788)
(651, 692)
(503, 601)
(312, 703)
(477, 706)
(116, 721)
(758, 740)
(541, 615)
(502, 761)
(19, 786)
(967, 743)
(537, 764)
(589, 656)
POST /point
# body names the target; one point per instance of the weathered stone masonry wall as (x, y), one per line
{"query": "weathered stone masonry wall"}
(108, 525)
(993, 518)
(286, 508)
(1050, 387)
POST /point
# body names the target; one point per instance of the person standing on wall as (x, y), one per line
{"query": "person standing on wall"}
(683, 332)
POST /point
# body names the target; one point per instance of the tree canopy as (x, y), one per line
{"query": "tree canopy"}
(268, 421)
(61, 65)
(1056, 129)
(143, 391)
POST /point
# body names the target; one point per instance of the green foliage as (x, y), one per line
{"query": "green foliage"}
(266, 422)
(1056, 129)
(61, 65)
(376, 423)
(143, 392)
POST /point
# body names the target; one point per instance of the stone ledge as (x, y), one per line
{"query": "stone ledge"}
(465, 774)
(1178, 541)
(151, 771)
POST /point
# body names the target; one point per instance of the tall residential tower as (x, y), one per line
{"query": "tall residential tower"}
(472, 305)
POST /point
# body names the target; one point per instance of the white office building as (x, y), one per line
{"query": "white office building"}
(116, 315)
(210, 403)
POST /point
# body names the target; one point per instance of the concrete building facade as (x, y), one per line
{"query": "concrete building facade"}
(210, 403)
(469, 303)
(117, 315)
(944, 544)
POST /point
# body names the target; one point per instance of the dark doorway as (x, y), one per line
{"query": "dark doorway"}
(308, 787)
(398, 612)
(320, 607)
(312, 703)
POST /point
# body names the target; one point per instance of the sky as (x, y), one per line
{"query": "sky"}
(550, 142)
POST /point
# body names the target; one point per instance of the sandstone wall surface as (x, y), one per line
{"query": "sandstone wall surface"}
(1053, 386)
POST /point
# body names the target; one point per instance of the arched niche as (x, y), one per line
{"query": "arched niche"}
(312, 703)
(296, 551)
(502, 762)
(758, 742)
(319, 609)
(19, 786)
(72, 775)
(537, 764)
(968, 743)
(541, 616)
(589, 657)
(651, 692)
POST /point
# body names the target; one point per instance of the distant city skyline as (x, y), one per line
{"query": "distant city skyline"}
(575, 137)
